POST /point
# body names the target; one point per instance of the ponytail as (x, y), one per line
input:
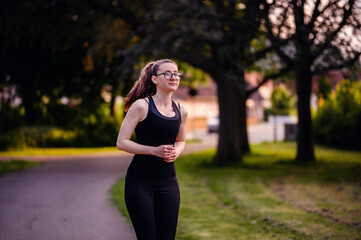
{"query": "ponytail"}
(144, 87)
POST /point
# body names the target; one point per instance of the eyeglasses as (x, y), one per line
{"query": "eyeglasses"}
(169, 75)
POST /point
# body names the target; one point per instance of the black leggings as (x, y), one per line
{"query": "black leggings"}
(153, 207)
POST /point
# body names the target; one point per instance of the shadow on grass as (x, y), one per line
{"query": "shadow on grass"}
(16, 165)
(269, 196)
(269, 167)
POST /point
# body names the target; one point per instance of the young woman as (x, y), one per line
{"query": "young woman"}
(151, 187)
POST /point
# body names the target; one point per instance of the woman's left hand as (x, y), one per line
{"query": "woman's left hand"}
(172, 156)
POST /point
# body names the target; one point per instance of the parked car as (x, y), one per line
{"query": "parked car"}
(213, 124)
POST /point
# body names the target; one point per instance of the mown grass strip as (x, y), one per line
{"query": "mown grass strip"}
(118, 197)
(15, 165)
(268, 196)
(56, 151)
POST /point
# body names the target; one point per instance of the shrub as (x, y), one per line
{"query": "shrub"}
(103, 134)
(97, 134)
(10, 117)
(27, 137)
(282, 101)
(99, 128)
(337, 121)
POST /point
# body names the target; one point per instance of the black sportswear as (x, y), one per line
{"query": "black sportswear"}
(151, 187)
(155, 130)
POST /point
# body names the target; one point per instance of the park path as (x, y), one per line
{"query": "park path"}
(64, 199)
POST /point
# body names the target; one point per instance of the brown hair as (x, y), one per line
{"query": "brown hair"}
(144, 87)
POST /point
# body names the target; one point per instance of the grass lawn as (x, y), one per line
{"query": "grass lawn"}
(268, 196)
(55, 151)
(63, 151)
(14, 165)
(18, 164)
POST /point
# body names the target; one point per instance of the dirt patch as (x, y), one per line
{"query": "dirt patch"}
(338, 202)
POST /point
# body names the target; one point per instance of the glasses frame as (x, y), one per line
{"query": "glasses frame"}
(177, 75)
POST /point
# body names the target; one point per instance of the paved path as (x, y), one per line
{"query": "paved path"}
(65, 200)
(257, 133)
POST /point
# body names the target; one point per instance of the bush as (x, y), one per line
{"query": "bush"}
(96, 129)
(337, 121)
(27, 137)
(97, 135)
(282, 102)
(10, 117)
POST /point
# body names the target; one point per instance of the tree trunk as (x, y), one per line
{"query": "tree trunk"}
(229, 141)
(243, 125)
(305, 148)
(112, 104)
(31, 103)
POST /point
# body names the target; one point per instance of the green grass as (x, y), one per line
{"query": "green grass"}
(194, 140)
(55, 151)
(268, 196)
(15, 165)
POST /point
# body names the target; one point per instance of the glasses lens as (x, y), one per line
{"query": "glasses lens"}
(178, 75)
(167, 75)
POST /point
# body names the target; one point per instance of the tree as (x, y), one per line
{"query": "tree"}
(216, 37)
(312, 37)
(43, 46)
(59, 49)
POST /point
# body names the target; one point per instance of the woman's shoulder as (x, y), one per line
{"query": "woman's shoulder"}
(141, 103)
(183, 110)
(140, 106)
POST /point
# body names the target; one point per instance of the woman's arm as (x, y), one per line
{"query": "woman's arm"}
(181, 138)
(138, 112)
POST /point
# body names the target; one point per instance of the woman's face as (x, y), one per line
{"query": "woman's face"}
(166, 80)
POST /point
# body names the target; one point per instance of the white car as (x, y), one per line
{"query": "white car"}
(213, 124)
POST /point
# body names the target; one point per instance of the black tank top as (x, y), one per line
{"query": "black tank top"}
(156, 129)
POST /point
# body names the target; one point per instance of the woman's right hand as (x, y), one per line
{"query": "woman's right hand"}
(165, 151)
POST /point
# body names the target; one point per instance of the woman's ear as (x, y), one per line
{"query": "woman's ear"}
(154, 79)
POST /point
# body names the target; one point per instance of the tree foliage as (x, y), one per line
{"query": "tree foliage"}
(312, 37)
(43, 47)
(337, 121)
(282, 101)
(217, 37)
(324, 88)
(82, 50)
(60, 58)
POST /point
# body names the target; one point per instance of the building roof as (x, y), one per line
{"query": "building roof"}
(202, 91)
(210, 90)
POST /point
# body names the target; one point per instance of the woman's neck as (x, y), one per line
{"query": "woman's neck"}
(163, 100)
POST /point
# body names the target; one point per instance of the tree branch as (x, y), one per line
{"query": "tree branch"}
(266, 78)
(350, 62)
(276, 43)
(330, 37)
(257, 55)
(119, 11)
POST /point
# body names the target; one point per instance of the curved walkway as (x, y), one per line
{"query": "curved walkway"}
(64, 199)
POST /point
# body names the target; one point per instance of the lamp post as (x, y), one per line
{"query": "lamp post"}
(192, 93)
